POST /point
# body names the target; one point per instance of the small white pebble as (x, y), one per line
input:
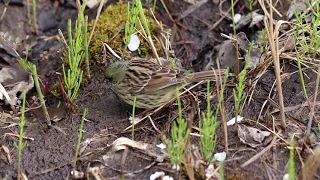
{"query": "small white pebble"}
(77, 174)
(209, 171)
(175, 167)
(135, 119)
(237, 18)
(220, 156)
(286, 177)
(233, 120)
(156, 175)
(161, 146)
(87, 141)
(167, 178)
(134, 43)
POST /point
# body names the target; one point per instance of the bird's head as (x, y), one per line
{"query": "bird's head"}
(116, 71)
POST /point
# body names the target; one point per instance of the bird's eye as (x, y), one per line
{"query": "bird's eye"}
(109, 78)
(102, 51)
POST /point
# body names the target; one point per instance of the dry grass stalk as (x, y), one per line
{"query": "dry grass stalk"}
(219, 85)
(273, 38)
(312, 165)
(96, 20)
(311, 115)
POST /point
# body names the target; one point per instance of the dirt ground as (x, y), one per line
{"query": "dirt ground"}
(50, 155)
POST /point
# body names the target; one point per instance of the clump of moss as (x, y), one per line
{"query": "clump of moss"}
(110, 29)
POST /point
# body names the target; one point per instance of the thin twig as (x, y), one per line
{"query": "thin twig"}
(153, 125)
(167, 10)
(222, 16)
(257, 156)
(96, 20)
(17, 136)
(4, 10)
(311, 115)
(154, 49)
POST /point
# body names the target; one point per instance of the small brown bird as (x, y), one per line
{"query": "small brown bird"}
(153, 85)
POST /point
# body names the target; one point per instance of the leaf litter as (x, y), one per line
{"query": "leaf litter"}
(109, 121)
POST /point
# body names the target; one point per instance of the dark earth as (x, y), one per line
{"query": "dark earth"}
(50, 155)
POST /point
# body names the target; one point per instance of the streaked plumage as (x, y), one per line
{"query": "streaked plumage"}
(152, 84)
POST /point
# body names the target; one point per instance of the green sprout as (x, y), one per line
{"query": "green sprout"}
(133, 116)
(238, 93)
(79, 139)
(291, 170)
(31, 68)
(77, 50)
(179, 137)
(130, 26)
(207, 127)
(20, 145)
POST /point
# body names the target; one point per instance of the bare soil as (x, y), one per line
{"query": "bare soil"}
(50, 155)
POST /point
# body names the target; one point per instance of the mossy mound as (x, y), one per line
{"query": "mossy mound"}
(110, 30)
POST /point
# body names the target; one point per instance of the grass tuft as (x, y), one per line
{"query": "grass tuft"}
(207, 127)
(179, 137)
(77, 50)
(130, 25)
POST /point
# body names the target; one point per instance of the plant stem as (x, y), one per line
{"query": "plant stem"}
(28, 13)
(86, 46)
(21, 143)
(79, 138)
(33, 69)
(34, 9)
(133, 116)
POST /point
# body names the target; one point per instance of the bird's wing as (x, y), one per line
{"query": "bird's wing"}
(162, 79)
(145, 75)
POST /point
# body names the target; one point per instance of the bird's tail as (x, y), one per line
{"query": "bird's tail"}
(206, 75)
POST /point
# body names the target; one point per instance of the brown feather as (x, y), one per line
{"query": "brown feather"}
(153, 85)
